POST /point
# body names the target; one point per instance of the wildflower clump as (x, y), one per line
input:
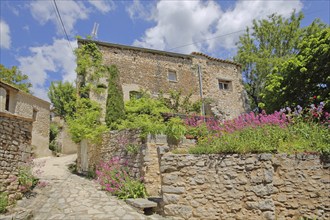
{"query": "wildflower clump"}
(287, 131)
(114, 177)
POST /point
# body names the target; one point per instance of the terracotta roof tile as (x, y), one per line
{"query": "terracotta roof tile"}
(215, 59)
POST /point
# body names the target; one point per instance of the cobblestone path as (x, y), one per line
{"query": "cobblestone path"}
(69, 196)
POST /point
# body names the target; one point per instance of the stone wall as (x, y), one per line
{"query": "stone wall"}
(224, 103)
(15, 150)
(260, 186)
(144, 163)
(39, 110)
(63, 138)
(147, 69)
(113, 144)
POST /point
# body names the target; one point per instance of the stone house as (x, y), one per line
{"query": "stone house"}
(17, 102)
(159, 71)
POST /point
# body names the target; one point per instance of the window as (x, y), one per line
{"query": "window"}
(135, 95)
(34, 115)
(172, 76)
(224, 85)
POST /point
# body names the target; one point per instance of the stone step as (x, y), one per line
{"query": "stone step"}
(141, 203)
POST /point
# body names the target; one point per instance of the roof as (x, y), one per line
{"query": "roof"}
(11, 87)
(120, 46)
(161, 52)
(215, 59)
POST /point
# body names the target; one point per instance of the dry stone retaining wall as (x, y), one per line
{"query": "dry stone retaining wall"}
(15, 150)
(144, 163)
(260, 186)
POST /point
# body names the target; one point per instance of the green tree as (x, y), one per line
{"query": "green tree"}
(302, 76)
(85, 122)
(63, 97)
(115, 109)
(270, 43)
(15, 77)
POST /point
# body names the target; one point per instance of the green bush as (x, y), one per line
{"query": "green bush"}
(175, 128)
(132, 189)
(132, 149)
(115, 109)
(144, 114)
(3, 202)
(26, 179)
(85, 124)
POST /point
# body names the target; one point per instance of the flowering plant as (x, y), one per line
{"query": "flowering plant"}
(114, 177)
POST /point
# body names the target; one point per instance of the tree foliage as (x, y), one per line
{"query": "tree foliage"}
(85, 122)
(63, 97)
(115, 109)
(304, 75)
(15, 77)
(263, 50)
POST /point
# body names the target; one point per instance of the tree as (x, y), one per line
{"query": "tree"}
(304, 75)
(63, 97)
(270, 43)
(15, 77)
(115, 109)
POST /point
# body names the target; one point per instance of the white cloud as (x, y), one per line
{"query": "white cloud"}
(102, 6)
(71, 12)
(5, 39)
(242, 16)
(184, 22)
(45, 60)
(179, 22)
(136, 10)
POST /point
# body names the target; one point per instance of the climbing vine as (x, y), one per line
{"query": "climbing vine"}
(89, 69)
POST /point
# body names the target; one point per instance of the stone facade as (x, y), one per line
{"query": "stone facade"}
(15, 150)
(160, 71)
(20, 103)
(260, 186)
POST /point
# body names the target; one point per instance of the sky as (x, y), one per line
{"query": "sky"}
(33, 39)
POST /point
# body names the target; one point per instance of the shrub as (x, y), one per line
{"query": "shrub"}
(175, 128)
(3, 202)
(115, 103)
(144, 114)
(114, 177)
(85, 124)
(132, 149)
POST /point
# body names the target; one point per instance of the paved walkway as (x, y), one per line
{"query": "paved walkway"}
(69, 196)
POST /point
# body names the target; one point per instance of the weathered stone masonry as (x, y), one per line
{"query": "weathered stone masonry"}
(147, 69)
(15, 149)
(255, 186)
(15, 101)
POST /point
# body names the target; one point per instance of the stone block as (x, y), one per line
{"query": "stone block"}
(172, 189)
(170, 198)
(183, 211)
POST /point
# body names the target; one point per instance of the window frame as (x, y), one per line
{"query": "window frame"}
(174, 73)
(224, 85)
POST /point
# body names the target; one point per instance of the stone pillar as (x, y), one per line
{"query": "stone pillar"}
(3, 94)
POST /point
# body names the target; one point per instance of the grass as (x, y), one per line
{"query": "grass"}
(3, 202)
(299, 137)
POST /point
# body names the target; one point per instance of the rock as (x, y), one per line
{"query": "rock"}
(170, 178)
(170, 198)
(178, 210)
(266, 205)
(172, 189)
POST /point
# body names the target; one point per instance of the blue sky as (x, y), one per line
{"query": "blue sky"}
(32, 38)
